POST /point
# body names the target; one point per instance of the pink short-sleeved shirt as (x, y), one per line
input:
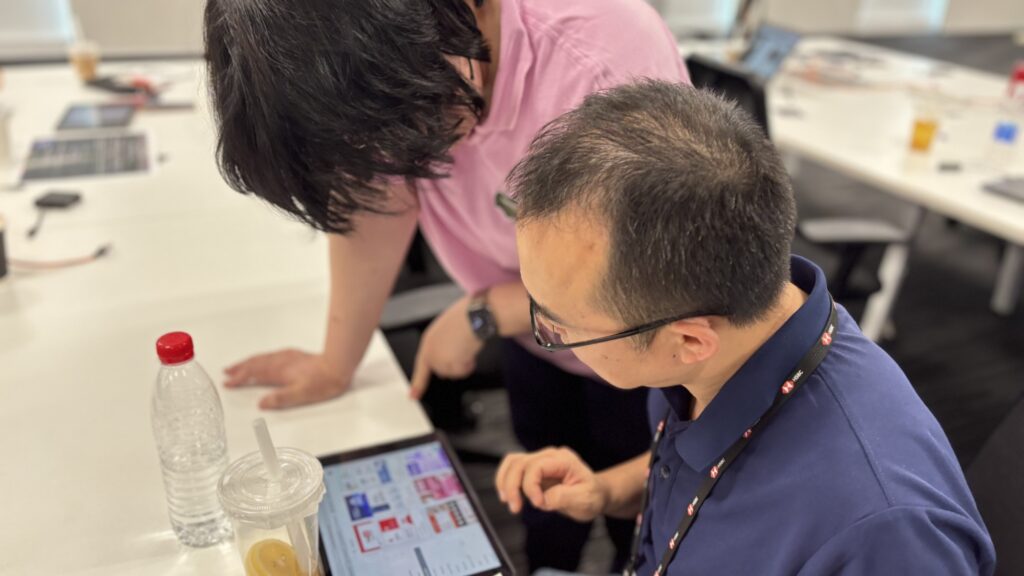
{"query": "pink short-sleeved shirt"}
(553, 54)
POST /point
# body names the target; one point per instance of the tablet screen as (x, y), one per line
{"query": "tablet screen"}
(96, 116)
(402, 513)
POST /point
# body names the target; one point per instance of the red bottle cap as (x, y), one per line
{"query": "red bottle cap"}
(1016, 87)
(174, 348)
(1018, 70)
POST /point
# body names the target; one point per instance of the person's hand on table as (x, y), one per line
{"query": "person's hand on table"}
(448, 348)
(298, 377)
(554, 480)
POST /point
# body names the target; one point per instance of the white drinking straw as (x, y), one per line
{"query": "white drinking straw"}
(274, 472)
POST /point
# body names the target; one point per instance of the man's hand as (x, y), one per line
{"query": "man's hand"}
(555, 480)
(300, 378)
(448, 348)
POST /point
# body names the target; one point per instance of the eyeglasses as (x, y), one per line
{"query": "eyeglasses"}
(551, 338)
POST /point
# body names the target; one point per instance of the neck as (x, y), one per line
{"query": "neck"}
(488, 20)
(739, 345)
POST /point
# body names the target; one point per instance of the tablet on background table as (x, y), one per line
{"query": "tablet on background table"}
(405, 509)
(96, 116)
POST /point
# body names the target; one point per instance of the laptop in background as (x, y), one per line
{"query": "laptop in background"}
(768, 49)
(87, 155)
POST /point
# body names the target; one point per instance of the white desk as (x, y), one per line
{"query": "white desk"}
(863, 132)
(81, 491)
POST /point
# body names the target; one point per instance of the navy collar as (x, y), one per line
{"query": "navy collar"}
(749, 393)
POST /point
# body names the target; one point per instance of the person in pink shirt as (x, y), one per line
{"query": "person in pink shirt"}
(364, 118)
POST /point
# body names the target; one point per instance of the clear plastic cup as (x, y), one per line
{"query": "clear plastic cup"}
(85, 59)
(275, 523)
(928, 111)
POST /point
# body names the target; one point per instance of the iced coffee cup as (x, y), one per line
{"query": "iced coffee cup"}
(274, 513)
(85, 59)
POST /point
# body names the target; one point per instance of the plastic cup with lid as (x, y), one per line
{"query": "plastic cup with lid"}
(272, 497)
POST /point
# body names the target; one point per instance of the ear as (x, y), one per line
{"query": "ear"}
(693, 339)
(470, 70)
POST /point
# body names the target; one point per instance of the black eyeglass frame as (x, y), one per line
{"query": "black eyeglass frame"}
(552, 347)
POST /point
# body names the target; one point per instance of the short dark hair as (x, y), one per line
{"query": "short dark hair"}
(699, 207)
(321, 103)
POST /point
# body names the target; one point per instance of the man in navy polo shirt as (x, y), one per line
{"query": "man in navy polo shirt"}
(654, 233)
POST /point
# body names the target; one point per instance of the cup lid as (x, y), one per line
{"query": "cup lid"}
(248, 495)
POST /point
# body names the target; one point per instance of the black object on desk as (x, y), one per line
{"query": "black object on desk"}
(50, 201)
(113, 84)
(58, 199)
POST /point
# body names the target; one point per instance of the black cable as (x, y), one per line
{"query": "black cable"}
(39, 224)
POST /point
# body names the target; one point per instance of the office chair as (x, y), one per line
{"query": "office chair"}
(848, 225)
(994, 478)
(733, 82)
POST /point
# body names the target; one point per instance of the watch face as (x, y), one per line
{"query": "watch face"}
(482, 323)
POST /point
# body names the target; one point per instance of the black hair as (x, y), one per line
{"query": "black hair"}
(321, 103)
(698, 205)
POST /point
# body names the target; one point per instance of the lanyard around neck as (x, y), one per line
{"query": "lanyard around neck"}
(807, 365)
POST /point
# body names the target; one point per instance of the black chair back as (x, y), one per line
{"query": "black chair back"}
(733, 82)
(995, 478)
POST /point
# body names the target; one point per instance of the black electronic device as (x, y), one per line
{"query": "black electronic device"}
(58, 199)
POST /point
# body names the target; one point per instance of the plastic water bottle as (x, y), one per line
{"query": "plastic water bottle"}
(1002, 149)
(188, 424)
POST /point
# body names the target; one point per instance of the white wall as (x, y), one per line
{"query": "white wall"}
(34, 28)
(901, 16)
(142, 27)
(812, 16)
(972, 16)
(866, 17)
(858, 16)
(42, 28)
(687, 17)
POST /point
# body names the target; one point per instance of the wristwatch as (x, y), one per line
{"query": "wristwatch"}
(480, 318)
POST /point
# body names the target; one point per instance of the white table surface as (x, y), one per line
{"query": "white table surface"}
(864, 131)
(80, 490)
